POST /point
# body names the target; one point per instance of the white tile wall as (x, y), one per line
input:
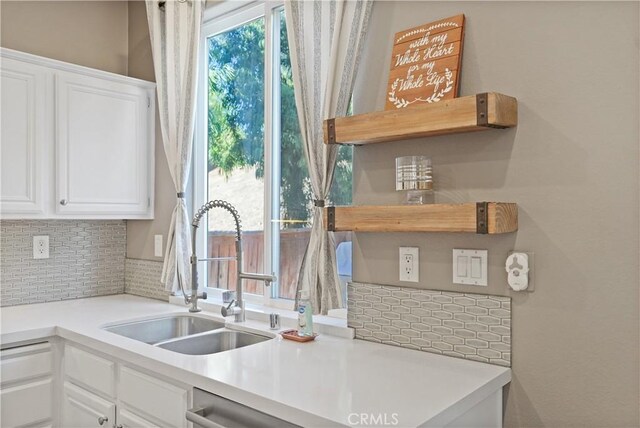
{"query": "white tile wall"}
(471, 326)
(142, 278)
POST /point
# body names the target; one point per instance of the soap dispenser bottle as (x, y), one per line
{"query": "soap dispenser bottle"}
(305, 314)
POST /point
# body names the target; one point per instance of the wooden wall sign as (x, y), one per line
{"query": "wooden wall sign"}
(425, 63)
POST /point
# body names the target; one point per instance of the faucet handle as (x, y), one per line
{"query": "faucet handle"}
(226, 311)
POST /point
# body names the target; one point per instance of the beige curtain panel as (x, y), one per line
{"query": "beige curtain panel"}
(175, 28)
(325, 39)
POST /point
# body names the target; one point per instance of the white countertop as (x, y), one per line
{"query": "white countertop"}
(318, 383)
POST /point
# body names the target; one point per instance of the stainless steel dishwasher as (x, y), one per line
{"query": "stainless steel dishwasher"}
(213, 411)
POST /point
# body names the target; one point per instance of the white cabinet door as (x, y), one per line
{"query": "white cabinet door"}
(25, 128)
(102, 146)
(83, 409)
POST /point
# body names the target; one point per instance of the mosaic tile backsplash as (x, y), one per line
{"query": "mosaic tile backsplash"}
(86, 259)
(472, 326)
(142, 278)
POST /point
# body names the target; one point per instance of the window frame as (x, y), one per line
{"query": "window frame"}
(216, 23)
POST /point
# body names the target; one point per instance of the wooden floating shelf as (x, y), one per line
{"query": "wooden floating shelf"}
(465, 114)
(481, 217)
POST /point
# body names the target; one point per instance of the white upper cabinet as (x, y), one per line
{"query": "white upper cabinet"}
(76, 142)
(25, 130)
(101, 163)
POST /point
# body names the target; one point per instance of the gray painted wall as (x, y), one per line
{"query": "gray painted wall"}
(89, 33)
(572, 167)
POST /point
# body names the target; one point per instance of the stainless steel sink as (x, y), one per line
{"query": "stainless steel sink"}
(214, 342)
(162, 329)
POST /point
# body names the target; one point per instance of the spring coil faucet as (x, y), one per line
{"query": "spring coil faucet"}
(236, 306)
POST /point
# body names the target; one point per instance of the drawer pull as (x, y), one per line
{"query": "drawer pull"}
(102, 420)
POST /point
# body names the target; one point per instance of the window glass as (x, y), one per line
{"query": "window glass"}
(235, 150)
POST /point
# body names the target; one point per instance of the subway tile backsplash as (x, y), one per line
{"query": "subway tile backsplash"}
(472, 326)
(142, 278)
(87, 258)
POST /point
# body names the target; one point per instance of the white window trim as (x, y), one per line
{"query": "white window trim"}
(218, 20)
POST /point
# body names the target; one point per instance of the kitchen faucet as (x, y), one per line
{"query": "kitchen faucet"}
(236, 306)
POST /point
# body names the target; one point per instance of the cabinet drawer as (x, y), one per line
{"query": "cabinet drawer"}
(26, 404)
(25, 362)
(161, 400)
(126, 419)
(90, 370)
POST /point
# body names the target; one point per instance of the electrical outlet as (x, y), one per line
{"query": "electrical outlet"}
(409, 264)
(41, 247)
(157, 246)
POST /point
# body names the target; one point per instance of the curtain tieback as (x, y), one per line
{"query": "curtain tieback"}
(318, 203)
(180, 195)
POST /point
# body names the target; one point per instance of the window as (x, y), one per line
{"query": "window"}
(249, 152)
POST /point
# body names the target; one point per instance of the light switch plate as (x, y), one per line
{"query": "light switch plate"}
(470, 267)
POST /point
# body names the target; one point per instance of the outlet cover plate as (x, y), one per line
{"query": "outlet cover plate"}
(157, 246)
(470, 267)
(409, 264)
(41, 247)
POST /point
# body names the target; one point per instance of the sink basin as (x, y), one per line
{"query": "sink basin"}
(161, 329)
(214, 342)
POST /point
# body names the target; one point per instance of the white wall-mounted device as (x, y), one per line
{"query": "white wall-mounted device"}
(517, 267)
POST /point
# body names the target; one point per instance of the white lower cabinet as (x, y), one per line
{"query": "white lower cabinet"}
(99, 392)
(48, 385)
(82, 409)
(27, 388)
